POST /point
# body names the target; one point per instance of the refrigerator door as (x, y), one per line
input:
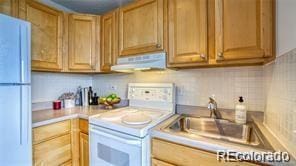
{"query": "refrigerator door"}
(15, 125)
(14, 51)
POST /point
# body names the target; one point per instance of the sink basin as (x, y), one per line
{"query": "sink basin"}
(220, 129)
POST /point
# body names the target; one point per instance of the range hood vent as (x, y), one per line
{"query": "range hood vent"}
(155, 61)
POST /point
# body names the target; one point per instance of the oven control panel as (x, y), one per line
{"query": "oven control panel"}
(160, 93)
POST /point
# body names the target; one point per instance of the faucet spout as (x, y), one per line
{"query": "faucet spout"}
(212, 106)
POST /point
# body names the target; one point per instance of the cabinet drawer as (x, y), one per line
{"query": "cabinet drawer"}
(44, 133)
(182, 155)
(156, 162)
(56, 151)
(83, 126)
(68, 163)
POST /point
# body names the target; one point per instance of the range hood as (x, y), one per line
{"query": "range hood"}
(141, 62)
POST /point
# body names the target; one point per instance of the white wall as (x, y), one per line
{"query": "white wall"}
(286, 26)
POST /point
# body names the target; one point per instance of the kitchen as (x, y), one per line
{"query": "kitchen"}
(168, 77)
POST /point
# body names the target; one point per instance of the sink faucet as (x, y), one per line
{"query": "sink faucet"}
(212, 106)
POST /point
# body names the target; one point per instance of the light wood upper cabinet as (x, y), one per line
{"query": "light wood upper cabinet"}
(84, 150)
(46, 37)
(9, 7)
(244, 29)
(109, 40)
(187, 29)
(82, 42)
(141, 27)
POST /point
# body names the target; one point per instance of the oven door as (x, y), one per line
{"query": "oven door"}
(110, 148)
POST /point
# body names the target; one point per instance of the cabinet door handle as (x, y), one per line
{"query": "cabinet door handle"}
(203, 56)
(92, 66)
(220, 55)
(158, 45)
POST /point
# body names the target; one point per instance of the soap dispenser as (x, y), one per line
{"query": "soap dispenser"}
(240, 112)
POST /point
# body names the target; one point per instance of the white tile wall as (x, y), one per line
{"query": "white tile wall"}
(280, 110)
(49, 86)
(194, 86)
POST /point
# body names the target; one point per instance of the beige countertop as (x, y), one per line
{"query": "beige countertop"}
(48, 116)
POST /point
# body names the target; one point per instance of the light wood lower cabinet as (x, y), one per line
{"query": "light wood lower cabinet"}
(52, 144)
(83, 143)
(156, 162)
(50, 131)
(63, 143)
(84, 149)
(53, 152)
(168, 154)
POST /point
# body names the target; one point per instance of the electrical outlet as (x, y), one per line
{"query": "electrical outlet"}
(180, 90)
(113, 87)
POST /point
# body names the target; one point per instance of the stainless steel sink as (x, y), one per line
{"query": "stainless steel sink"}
(220, 129)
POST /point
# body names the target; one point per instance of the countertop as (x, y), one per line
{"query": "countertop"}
(211, 144)
(48, 116)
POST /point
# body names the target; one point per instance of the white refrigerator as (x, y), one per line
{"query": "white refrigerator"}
(15, 92)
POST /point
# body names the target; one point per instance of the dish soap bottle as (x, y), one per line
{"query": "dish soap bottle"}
(240, 112)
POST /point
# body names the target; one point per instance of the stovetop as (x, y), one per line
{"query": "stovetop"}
(131, 120)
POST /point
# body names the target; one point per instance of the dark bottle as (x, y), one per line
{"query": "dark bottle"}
(95, 99)
(90, 96)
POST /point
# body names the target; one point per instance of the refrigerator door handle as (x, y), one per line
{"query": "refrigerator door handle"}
(25, 114)
(21, 117)
(24, 54)
(22, 75)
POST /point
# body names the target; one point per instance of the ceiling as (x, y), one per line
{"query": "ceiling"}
(92, 6)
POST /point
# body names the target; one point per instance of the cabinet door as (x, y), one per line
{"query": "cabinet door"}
(109, 40)
(9, 7)
(82, 42)
(53, 152)
(84, 150)
(187, 28)
(46, 36)
(244, 29)
(141, 27)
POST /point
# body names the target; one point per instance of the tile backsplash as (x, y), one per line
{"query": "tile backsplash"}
(194, 86)
(49, 86)
(270, 88)
(280, 109)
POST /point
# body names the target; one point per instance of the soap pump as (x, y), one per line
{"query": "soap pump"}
(240, 112)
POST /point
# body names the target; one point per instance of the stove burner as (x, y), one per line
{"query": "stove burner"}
(137, 118)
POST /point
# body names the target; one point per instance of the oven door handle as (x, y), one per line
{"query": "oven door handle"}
(117, 138)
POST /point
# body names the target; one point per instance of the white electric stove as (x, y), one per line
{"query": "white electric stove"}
(121, 137)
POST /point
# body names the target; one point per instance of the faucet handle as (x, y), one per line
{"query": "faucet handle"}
(212, 97)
